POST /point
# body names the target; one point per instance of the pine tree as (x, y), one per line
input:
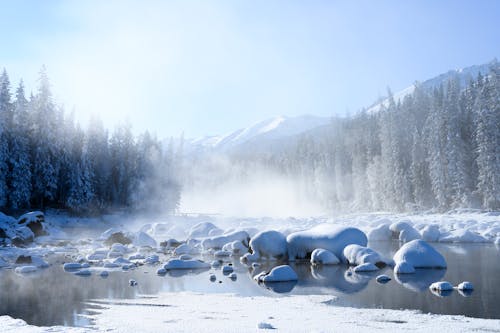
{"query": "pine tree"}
(20, 179)
(5, 131)
(488, 139)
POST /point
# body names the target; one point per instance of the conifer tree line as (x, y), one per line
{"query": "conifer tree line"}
(48, 160)
(436, 149)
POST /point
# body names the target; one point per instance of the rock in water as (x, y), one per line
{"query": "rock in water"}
(419, 254)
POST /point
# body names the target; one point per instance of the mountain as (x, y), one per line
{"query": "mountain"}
(279, 132)
(463, 74)
(258, 135)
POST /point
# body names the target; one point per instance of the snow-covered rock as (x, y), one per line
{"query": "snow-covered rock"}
(441, 286)
(72, 266)
(366, 267)
(357, 255)
(324, 236)
(114, 235)
(35, 221)
(226, 269)
(97, 255)
(83, 272)
(219, 241)
(402, 267)
(462, 236)
(143, 239)
(380, 233)
(281, 273)
(466, 285)
(323, 257)
(236, 248)
(26, 269)
(222, 253)
(185, 264)
(268, 244)
(404, 231)
(383, 279)
(202, 230)
(430, 233)
(419, 254)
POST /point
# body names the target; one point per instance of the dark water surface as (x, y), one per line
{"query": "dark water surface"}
(55, 297)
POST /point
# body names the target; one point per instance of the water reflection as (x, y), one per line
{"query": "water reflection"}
(421, 279)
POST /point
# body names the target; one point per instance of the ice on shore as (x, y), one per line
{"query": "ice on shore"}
(323, 257)
(330, 237)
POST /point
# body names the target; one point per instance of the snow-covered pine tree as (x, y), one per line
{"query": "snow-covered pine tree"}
(45, 155)
(488, 139)
(20, 178)
(5, 129)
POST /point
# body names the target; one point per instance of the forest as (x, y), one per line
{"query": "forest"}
(48, 160)
(434, 149)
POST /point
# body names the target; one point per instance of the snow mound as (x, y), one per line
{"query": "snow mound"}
(404, 231)
(383, 279)
(462, 236)
(26, 269)
(281, 273)
(218, 242)
(203, 229)
(441, 286)
(357, 255)
(185, 249)
(236, 248)
(403, 267)
(419, 254)
(143, 239)
(185, 264)
(466, 285)
(380, 233)
(430, 233)
(268, 244)
(366, 267)
(324, 236)
(323, 257)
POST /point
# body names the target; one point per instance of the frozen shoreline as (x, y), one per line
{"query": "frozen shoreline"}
(191, 312)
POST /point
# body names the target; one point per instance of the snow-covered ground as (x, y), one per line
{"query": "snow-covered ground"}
(191, 235)
(191, 312)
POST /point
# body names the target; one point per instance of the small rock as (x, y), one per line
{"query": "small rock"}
(213, 278)
(383, 279)
(132, 282)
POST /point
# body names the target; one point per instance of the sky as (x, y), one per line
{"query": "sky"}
(210, 67)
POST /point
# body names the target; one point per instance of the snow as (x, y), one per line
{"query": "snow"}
(356, 255)
(282, 273)
(26, 269)
(366, 267)
(185, 264)
(202, 229)
(268, 244)
(219, 241)
(403, 267)
(441, 286)
(383, 279)
(380, 233)
(325, 236)
(323, 257)
(462, 236)
(194, 312)
(419, 254)
(430, 233)
(466, 285)
(143, 239)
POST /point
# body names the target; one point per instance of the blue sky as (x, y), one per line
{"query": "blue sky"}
(208, 67)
